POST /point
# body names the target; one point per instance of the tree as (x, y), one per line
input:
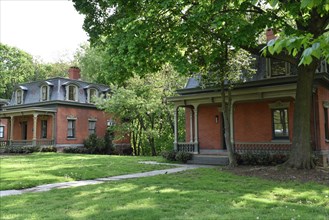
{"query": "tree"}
(142, 112)
(139, 36)
(16, 66)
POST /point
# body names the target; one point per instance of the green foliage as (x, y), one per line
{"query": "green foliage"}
(16, 66)
(95, 145)
(169, 155)
(21, 149)
(263, 158)
(143, 112)
(76, 150)
(183, 157)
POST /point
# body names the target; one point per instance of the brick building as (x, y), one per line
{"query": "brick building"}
(262, 113)
(57, 111)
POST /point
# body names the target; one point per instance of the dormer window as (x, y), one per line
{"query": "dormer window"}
(91, 93)
(19, 96)
(276, 68)
(72, 92)
(44, 93)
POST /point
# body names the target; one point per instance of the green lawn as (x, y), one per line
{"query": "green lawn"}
(206, 193)
(17, 172)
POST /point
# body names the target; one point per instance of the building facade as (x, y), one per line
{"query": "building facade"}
(57, 111)
(262, 113)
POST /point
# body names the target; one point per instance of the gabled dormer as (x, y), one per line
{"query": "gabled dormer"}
(277, 68)
(92, 91)
(71, 91)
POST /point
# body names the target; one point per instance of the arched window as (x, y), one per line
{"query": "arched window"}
(91, 93)
(19, 96)
(44, 93)
(72, 92)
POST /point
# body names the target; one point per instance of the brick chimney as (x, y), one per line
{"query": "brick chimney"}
(74, 73)
(270, 34)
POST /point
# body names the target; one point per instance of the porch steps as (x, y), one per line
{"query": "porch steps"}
(209, 159)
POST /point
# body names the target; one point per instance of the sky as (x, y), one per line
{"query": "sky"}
(50, 30)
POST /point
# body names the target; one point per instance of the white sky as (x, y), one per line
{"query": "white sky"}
(48, 29)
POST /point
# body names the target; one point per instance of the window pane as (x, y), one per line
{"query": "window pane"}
(92, 127)
(44, 93)
(19, 96)
(280, 123)
(71, 128)
(43, 128)
(278, 68)
(2, 131)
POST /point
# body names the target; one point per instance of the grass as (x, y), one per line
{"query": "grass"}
(205, 193)
(18, 172)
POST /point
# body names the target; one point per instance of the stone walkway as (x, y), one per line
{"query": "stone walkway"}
(48, 187)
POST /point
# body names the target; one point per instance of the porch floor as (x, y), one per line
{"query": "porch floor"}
(209, 159)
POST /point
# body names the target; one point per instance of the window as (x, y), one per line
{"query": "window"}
(71, 128)
(326, 123)
(44, 93)
(43, 128)
(92, 93)
(280, 124)
(72, 93)
(277, 68)
(19, 96)
(2, 131)
(92, 127)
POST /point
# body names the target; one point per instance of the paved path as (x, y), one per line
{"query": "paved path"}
(48, 187)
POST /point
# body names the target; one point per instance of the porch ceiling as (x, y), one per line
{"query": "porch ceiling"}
(278, 91)
(26, 111)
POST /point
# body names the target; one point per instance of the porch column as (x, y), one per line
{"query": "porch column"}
(176, 128)
(34, 139)
(11, 135)
(196, 132)
(191, 125)
(53, 133)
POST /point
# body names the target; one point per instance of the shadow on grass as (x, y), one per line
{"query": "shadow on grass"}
(194, 194)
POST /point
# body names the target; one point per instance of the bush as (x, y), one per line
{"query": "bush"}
(262, 158)
(21, 149)
(169, 155)
(123, 149)
(94, 144)
(183, 156)
(76, 150)
(48, 149)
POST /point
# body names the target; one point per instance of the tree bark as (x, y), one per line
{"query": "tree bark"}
(301, 152)
(226, 108)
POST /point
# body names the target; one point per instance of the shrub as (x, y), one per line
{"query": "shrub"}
(94, 144)
(48, 149)
(108, 139)
(169, 155)
(21, 149)
(76, 150)
(183, 156)
(262, 158)
(123, 149)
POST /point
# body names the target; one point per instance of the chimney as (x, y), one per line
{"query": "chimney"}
(270, 35)
(74, 73)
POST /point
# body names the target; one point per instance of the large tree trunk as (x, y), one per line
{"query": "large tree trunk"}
(226, 108)
(301, 152)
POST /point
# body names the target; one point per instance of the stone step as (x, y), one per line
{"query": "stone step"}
(209, 160)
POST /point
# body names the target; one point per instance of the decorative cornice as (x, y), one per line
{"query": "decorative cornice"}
(279, 104)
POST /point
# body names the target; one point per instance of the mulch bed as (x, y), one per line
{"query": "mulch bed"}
(318, 175)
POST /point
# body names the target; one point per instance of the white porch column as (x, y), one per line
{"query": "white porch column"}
(34, 139)
(191, 125)
(11, 135)
(176, 128)
(196, 130)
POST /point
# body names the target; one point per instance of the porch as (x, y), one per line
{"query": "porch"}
(38, 142)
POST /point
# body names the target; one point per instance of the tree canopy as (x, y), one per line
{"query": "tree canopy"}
(140, 36)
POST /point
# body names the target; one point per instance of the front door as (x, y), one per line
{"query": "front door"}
(24, 130)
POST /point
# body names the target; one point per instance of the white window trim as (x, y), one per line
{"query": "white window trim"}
(88, 94)
(76, 94)
(22, 97)
(48, 93)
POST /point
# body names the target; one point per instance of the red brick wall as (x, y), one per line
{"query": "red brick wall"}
(82, 116)
(209, 131)
(253, 121)
(323, 95)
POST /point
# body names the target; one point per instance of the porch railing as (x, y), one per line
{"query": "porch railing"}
(272, 148)
(38, 142)
(185, 146)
